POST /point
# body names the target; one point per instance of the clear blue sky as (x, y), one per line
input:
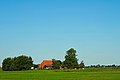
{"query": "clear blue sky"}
(46, 29)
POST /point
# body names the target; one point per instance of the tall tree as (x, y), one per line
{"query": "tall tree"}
(70, 59)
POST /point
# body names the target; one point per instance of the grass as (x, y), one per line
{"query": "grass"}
(87, 74)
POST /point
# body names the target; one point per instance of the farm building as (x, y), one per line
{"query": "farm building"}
(46, 64)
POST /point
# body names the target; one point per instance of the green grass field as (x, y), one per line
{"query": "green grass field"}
(87, 74)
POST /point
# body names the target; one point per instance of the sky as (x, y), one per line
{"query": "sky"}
(46, 29)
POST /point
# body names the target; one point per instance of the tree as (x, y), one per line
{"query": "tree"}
(17, 63)
(23, 63)
(82, 65)
(70, 59)
(6, 64)
(56, 64)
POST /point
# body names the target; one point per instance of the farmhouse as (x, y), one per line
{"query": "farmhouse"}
(47, 64)
(50, 64)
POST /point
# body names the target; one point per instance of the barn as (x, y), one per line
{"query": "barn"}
(46, 64)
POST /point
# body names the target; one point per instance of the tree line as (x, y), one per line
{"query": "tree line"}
(17, 63)
(25, 62)
(103, 66)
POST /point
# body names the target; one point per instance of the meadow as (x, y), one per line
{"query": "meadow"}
(87, 74)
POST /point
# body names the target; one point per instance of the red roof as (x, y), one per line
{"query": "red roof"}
(44, 63)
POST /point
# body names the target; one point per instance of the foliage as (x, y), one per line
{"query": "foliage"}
(70, 59)
(6, 65)
(82, 65)
(104, 66)
(56, 64)
(17, 63)
(35, 65)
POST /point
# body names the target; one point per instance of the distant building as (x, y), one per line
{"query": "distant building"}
(46, 64)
